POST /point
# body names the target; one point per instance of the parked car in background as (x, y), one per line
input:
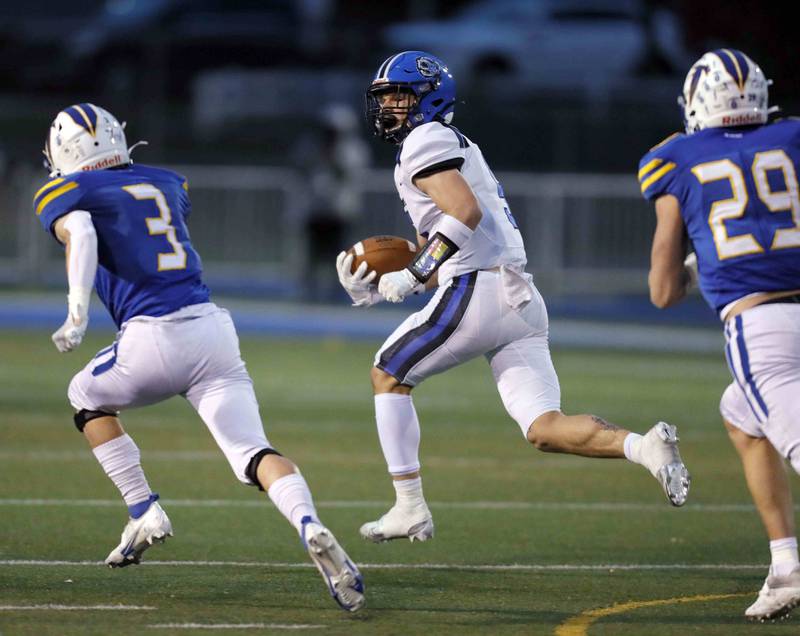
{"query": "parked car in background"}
(128, 40)
(549, 43)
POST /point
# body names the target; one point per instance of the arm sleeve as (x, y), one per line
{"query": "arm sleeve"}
(432, 148)
(82, 263)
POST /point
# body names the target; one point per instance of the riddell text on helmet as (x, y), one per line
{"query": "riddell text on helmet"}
(738, 120)
(108, 162)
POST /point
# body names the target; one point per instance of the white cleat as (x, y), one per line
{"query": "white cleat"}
(777, 598)
(415, 524)
(339, 573)
(139, 534)
(659, 453)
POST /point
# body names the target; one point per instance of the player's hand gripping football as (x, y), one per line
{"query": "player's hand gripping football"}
(70, 334)
(357, 284)
(395, 286)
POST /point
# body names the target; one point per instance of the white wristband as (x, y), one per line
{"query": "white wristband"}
(455, 230)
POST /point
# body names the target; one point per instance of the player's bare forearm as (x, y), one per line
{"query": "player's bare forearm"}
(452, 195)
(668, 279)
(667, 290)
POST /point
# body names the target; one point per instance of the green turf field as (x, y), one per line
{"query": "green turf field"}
(564, 527)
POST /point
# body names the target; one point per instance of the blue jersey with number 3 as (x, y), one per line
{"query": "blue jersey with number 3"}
(738, 193)
(146, 263)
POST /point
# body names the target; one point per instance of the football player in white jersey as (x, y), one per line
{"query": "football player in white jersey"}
(730, 185)
(484, 304)
(125, 233)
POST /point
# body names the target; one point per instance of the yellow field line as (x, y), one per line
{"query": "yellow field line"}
(578, 625)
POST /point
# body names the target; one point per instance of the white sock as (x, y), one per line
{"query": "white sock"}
(409, 492)
(398, 431)
(120, 458)
(784, 556)
(292, 498)
(633, 443)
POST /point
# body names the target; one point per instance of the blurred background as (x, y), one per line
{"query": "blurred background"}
(259, 103)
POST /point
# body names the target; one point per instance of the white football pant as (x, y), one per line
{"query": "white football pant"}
(193, 352)
(763, 352)
(475, 315)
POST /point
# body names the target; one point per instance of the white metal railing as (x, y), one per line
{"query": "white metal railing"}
(583, 232)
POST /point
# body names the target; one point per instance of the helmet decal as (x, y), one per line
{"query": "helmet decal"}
(428, 67)
(736, 65)
(699, 70)
(84, 115)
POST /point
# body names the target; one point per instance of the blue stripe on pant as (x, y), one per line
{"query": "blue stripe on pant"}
(745, 359)
(398, 359)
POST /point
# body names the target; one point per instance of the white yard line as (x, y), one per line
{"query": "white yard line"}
(73, 608)
(597, 506)
(514, 567)
(232, 626)
(85, 454)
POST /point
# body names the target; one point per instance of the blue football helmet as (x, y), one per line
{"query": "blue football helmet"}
(410, 72)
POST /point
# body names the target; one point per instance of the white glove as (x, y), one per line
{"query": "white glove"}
(357, 284)
(70, 334)
(690, 264)
(395, 286)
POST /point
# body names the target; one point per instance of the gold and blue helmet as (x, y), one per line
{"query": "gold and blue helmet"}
(85, 137)
(724, 88)
(420, 74)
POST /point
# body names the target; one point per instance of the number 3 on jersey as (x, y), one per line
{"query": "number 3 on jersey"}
(157, 225)
(734, 207)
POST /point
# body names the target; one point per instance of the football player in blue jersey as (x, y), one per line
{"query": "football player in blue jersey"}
(124, 230)
(730, 186)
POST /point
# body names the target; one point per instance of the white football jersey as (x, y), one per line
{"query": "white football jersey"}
(496, 240)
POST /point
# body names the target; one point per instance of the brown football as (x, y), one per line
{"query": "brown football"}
(383, 254)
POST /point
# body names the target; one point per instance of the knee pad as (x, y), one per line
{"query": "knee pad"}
(84, 416)
(252, 467)
(794, 460)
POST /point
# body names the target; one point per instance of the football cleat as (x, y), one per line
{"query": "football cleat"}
(139, 534)
(777, 597)
(659, 453)
(414, 524)
(340, 574)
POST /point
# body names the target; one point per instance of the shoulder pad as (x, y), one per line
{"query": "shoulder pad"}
(53, 190)
(431, 144)
(657, 170)
(666, 140)
(56, 198)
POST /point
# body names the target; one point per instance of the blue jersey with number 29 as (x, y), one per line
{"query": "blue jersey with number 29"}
(738, 193)
(146, 263)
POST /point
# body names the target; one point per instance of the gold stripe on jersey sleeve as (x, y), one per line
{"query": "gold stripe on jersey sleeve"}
(47, 186)
(657, 175)
(54, 195)
(650, 165)
(185, 186)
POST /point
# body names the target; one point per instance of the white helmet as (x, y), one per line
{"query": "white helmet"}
(85, 137)
(724, 88)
